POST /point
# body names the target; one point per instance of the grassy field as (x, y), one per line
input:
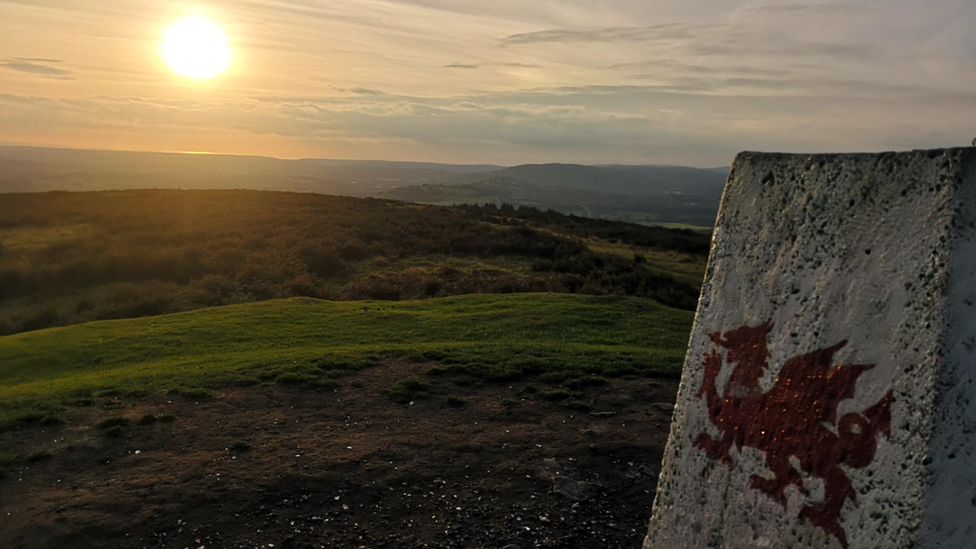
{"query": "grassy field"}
(556, 338)
(685, 268)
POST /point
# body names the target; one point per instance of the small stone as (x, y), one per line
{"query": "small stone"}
(664, 406)
(577, 490)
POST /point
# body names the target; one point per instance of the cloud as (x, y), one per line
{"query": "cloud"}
(37, 60)
(572, 123)
(780, 9)
(367, 91)
(41, 67)
(675, 66)
(669, 31)
(465, 66)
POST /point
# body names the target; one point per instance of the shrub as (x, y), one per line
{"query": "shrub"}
(559, 394)
(304, 285)
(322, 262)
(212, 289)
(115, 432)
(196, 393)
(39, 456)
(47, 318)
(240, 447)
(292, 378)
(432, 288)
(354, 252)
(585, 381)
(30, 419)
(13, 283)
(111, 422)
(577, 405)
(409, 389)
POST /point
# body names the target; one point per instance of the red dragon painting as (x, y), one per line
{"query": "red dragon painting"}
(794, 421)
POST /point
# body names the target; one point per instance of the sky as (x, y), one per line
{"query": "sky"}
(685, 82)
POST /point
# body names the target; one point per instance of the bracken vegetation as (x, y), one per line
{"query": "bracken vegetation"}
(67, 258)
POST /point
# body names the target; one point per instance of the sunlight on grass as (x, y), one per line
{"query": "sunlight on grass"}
(315, 342)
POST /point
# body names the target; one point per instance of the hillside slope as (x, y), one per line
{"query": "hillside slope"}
(314, 343)
(67, 258)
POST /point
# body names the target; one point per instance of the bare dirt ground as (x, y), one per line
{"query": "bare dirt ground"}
(278, 467)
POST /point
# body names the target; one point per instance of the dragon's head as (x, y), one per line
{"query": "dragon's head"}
(748, 352)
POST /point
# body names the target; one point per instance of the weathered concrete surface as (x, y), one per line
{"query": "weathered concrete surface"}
(829, 392)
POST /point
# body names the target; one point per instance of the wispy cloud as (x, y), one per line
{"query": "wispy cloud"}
(475, 66)
(41, 67)
(602, 34)
(367, 91)
(836, 8)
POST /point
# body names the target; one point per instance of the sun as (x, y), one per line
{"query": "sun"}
(196, 48)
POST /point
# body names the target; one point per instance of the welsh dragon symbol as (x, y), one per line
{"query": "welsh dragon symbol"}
(796, 418)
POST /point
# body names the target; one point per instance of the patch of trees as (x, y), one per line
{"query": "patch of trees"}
(660, 238)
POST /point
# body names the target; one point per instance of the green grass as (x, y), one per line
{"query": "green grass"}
(491, 337)
(682, 267)
(409, 389)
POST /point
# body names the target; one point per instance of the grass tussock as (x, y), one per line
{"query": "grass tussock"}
(409, 389)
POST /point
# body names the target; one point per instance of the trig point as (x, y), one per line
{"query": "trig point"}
(829, 391)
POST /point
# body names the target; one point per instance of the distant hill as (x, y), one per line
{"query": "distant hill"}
(36, 169)
(640, 194)
(665, 195)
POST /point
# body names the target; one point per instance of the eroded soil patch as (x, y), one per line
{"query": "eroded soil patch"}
(468, 464)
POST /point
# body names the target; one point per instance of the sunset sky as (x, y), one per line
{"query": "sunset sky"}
(503, 81)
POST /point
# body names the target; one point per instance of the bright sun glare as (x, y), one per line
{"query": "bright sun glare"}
(196, 48)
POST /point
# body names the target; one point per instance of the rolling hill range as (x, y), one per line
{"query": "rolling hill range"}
(662, 195)
(34, 169)
(639, 194)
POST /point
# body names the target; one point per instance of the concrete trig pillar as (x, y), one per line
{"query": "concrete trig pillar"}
(829, 391)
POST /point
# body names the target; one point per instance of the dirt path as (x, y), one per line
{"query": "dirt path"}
(348, 469)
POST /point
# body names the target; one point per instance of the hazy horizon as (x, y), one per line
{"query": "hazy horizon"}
(572, 81)
(364, 160)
